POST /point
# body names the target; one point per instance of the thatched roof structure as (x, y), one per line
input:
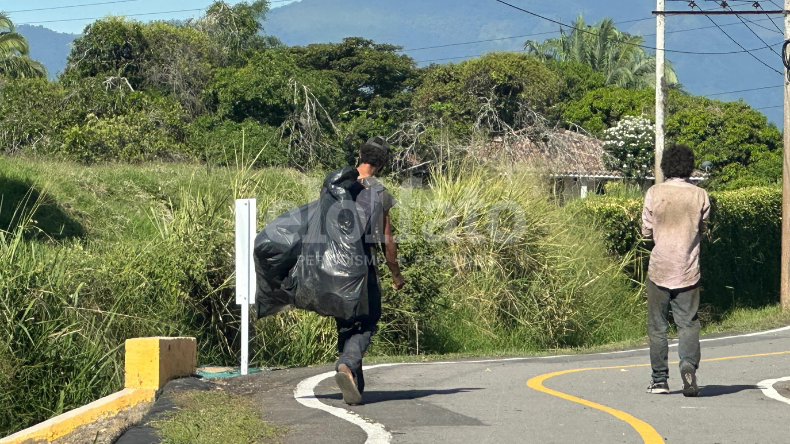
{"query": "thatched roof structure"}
(562, 153)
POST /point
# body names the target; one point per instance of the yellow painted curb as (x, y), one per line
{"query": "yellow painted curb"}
(150, 364)
(64, 424)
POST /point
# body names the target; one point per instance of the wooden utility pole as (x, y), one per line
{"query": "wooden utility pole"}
(661, 96)
(785, 285)
(661, 92)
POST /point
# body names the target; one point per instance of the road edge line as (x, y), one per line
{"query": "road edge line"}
(768, 389)
(304, 393)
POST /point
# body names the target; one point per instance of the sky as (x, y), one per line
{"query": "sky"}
(73, 19)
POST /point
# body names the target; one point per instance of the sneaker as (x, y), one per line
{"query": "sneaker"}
(658, 387)
(689, 375)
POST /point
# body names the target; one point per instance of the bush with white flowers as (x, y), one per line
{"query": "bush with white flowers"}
(629, 147)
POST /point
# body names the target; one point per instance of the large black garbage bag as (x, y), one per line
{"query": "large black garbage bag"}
(331, 274)
(276, 252)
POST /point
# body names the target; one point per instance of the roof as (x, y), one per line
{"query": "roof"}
(564, 153)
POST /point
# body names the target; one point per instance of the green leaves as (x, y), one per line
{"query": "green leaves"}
(506, 82)
(739, 141)
(607, 50)
(740, 258)
(14, 50)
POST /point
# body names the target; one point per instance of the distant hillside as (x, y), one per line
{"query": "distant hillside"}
(47, 46)
(420, 23)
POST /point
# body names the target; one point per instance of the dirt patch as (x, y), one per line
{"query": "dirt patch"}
(106, 430)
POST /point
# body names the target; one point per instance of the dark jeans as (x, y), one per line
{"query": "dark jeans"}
(684, 303)
(353, 336)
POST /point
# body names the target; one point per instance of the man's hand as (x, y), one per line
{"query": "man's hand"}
(398, 282)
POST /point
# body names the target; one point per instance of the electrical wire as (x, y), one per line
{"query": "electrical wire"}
(781, 31)
(744, 90)
(744, 50)
(71, 6)
(755, 34)
(786, 58)
(741, 46)
(108, 3)
(555, 32)
(754, 22)
(126, 15)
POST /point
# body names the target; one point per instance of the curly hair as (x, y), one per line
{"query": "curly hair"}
(678, 161)
(376, 152)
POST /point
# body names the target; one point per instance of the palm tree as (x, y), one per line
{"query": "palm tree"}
(14, 60)
(606, 49)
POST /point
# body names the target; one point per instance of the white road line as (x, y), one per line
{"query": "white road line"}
(768, 389)
(305, 395)
(378, 434)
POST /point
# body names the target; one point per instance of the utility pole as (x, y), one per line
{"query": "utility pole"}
(661, 92)
(785, 283)
(661, 98)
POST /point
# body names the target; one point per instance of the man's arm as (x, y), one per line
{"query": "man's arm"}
(647, 216)
(391, 254)
(703, 224)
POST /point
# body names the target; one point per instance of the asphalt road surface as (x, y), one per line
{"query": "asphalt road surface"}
(598, 398)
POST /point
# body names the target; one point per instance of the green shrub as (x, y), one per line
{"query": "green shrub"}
(156, 259)
(508, 82)
(740, 257)
(219, 142)
(131, 137)
(30, 115)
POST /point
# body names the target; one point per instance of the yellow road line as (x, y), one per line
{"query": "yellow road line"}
(646, 431)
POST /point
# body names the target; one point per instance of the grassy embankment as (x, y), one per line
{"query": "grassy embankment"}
(216, 417)
(96, 255)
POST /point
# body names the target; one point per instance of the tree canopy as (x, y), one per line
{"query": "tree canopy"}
(607, 50)
(15, 62)
(209, 87)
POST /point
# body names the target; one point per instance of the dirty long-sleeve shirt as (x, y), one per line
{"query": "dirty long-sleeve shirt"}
(675, 216)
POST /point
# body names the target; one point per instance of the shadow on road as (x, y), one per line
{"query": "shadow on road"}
(719, 390)
(373, 396)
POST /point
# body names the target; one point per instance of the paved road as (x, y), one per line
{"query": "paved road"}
(491, 402)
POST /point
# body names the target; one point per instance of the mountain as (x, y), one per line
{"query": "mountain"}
(416, 24)
(48, 47)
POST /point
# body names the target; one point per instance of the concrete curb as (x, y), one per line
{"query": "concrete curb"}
(149, 364)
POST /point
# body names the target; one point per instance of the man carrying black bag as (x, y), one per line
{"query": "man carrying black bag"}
(373, 204)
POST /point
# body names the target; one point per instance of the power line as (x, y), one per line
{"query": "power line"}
(739, 45)
(477, 41)
(72, 6)
(632, 44)
(125, 15)
(108, 3)
(773, 22)
(757, 35)
(754, 22)
(744, 90)
(554, 32)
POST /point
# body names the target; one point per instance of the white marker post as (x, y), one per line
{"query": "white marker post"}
(246, 213)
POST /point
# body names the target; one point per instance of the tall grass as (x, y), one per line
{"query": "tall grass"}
(513, 272)
(154, 256)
